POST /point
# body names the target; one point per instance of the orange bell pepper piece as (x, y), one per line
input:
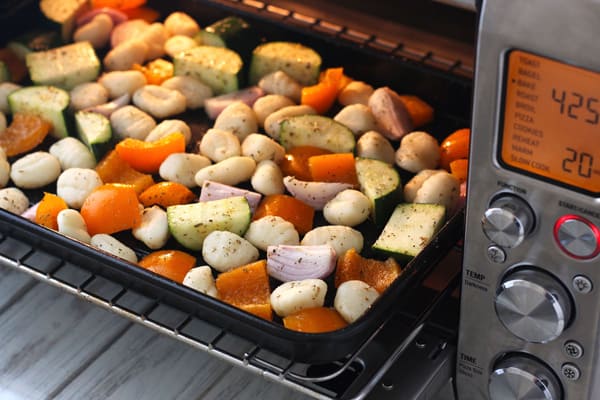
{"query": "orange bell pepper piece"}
(338, 167)
(379, 274)
(289, 208)
(172, 264)
(420, 112)
(247, 287)
(459, 168)
(24, 133)
(315, 320)
(454, 147)
(322, 95)
(111, 208)
(166, 194)
(118, 4)
(147, 156)
(48, 209)
(295, 162)
(156, 71)
(113, 169)
(148, 14)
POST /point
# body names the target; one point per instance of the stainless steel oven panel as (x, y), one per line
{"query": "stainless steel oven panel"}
(529, 351)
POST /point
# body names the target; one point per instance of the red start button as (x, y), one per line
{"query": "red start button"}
(577, 237)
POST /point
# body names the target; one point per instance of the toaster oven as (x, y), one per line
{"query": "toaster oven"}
(405, 346)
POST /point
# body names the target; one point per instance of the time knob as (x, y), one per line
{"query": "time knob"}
(523, 378)
(533, 305)
(508, 220)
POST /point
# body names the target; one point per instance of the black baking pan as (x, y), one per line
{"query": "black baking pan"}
(448, 93)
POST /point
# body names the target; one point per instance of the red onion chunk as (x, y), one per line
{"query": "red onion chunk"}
(107, 109)
(127, 30)
(315, 194)
(392, 117)
(30, 212)
(114, 14)
(215, 191)
(215, 105)
(295, 263)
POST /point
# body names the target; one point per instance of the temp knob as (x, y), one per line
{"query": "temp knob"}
(523, 378)
(507, 221)
(533, 305)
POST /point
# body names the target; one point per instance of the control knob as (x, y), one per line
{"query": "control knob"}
(508, 220)
(533, 305)
(520, 377)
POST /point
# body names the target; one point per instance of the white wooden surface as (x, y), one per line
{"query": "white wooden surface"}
(56, 346)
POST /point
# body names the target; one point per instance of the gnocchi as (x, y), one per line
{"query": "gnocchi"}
(225, 250)
(294, 296)
(202, 280)
(35, 170)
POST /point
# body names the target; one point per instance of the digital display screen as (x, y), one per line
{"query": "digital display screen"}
(551, 122)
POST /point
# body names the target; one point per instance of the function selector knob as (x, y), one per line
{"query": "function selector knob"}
(523, 378)
(508, 220)
(533, 305)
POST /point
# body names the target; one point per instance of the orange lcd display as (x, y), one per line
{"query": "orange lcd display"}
(551, 125)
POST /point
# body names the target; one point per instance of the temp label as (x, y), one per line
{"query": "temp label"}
(475, 280)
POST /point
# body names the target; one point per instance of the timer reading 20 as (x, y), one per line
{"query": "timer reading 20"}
(570, 104)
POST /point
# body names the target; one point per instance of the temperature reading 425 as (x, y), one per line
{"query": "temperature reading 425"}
(551, 121)
(577, 106)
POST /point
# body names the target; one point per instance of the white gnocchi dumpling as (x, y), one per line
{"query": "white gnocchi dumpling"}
(280, 83)
(113, 246)
(180, 23)
(357, 117)
(178, 43)
(267, 105)
(261, 147)
(441, 188)
(238, 118)
(88, 94)
(124, 55)
(231, 171)
(159, 101)
(267, 178)
(13, 200)
(354, 298)
(373, 144)
(202, 280)
(349, 207)
(75, 184)
(4, 169)
(224, 250)
(293, 296)
(341, 238)
(35, 170)
(97, 31)
(153, 229)
(271, 231)
(130, 121)
(119, 83)
(168, 126)
(356, 92)
(219, 145)
(182, 168)
(418, 151)
(72, 153)
(194, 91)
(71, 223)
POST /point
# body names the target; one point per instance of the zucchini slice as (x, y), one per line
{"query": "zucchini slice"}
(298, 61)
(191, 223)
(381, 183)
(49, 102)
(410, 228)
(95, 131)
(316, 130)
(231, 32)
(217, 67)
(65, 66)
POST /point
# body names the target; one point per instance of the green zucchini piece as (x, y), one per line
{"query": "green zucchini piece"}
(231, 32)
(220, 68)
(410, 228)
(298, 61)
(65, 66)
(63, 13)
(191, 223)
(316, 130)
(95, 132)
(381, 183)
(49, 102)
